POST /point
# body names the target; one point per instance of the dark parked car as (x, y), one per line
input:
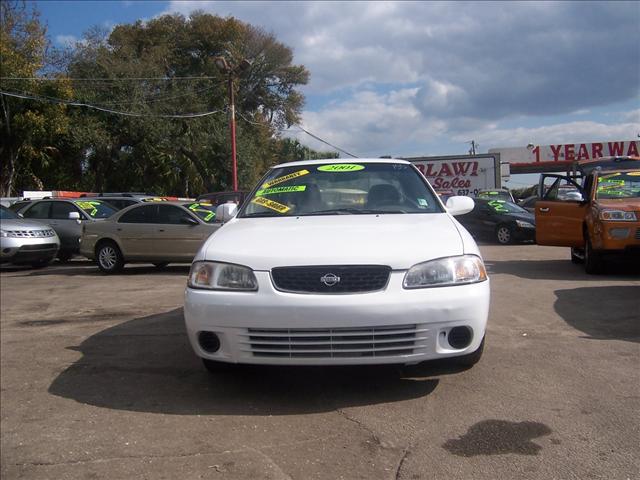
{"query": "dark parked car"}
(529, 203)
(503, 221)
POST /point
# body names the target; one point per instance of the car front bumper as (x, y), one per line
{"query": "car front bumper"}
(18, 250)
(393, 326)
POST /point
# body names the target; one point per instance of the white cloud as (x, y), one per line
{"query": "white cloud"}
(66, 40)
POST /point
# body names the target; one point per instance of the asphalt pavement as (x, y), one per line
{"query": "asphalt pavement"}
(98, 381)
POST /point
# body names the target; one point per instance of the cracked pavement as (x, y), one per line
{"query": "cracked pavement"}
(98, 381)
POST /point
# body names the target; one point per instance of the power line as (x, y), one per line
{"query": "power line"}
(107, 79)
(107, 110)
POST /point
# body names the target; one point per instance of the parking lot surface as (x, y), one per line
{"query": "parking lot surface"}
(98, 381)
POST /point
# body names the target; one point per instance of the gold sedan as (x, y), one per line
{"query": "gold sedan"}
(154, 232)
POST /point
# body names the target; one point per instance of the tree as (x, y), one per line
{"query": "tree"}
(30, 129)
(176, 58)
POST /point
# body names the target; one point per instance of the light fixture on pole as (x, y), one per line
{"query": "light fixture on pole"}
(232, 74)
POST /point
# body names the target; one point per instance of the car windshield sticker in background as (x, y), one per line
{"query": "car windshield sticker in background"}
(276, 190)
(341, 167)
(286, 178)
(89, 207)
(203, 211)
(422, 202)
(265, 202)
(498, 206)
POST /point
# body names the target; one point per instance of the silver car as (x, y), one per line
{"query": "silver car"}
(25, 242)
(67, 217)
(150, 232)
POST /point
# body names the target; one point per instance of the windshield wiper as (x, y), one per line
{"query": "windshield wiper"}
(350, 211)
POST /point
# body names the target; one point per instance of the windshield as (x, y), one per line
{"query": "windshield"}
(619, 185)
(341, 189)
(204, 211)
(6, 214)
(502, 206)
(95, 208)
(494, 195)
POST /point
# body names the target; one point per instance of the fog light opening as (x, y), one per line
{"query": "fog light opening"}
(460, 337)
(209, 342)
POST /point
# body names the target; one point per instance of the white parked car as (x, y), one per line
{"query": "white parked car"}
(333, 263)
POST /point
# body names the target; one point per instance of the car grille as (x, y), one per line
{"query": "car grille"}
(382, 341)
(30, 233)
(43, 246)
(337, 279)
(637, 233)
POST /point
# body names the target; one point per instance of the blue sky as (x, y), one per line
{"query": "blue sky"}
(424, 78)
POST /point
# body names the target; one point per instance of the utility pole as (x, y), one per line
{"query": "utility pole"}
(232, 74)
(472, 150)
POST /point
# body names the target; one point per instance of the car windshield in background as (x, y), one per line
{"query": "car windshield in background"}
(95, 208)
(341, 189)
(6, 214)
(495, 195)
(619, 185)
(502, 206)
(204, 211)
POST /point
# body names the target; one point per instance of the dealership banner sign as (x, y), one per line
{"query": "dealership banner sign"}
(566, 153)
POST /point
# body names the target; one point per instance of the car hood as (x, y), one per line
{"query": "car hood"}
(626, 204)
(19, 224)
(527, 217)
(399, 241)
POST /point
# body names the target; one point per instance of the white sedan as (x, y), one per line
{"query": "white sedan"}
(334, 263)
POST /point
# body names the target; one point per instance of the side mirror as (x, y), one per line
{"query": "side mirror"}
(74, 216)
(192, 222)
(226, 212)
(460, 205)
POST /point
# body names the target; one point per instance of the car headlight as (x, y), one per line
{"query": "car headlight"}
(460, 270)
(523, 224)
(222, 276)
(617, 216)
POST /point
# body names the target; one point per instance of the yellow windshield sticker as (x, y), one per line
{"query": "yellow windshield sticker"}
(341, 167)
(276, 190)
(89, 207)
(205, 213)
(286, 178)
(265, 202)
(498, 205)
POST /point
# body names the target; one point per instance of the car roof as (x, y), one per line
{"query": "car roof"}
(326, 161)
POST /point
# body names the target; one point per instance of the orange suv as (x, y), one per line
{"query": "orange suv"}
(602, 216)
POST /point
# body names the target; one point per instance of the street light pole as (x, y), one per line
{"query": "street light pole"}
(232, 73)
(232, 128)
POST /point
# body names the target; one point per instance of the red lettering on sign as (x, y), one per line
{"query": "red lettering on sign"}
(633, 149)
(583, 154)
(445, 171)
(556, 152)
(474, 173)
(569, 152)
(537, 153)
(421, 168)
(461, 168)
(596, 150)
(616, 148)
(430, 172)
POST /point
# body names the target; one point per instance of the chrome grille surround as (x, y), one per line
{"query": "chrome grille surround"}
(344, 342)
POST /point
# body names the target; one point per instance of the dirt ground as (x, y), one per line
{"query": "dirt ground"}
(98, 381)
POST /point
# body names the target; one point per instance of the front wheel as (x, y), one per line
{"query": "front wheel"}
(109, 258)
(592, 258)
(577, 255)
(504, 235)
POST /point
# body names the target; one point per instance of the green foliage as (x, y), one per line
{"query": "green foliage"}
(31, 130)
(173, 62)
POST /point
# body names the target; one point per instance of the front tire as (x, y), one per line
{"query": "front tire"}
(64, 256)
(504, 235)
(592, 259)
(109, 257)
